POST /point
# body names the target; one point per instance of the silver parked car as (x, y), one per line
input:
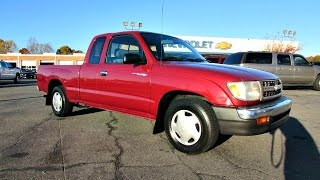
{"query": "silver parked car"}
(8, 72)
(292, 69)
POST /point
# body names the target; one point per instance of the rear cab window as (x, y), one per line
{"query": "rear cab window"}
(96, 50)
(259, 58)
(233, 58)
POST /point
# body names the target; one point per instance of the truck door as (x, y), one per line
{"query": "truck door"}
(89, 72)
(124, 87)
(11, 71)
(285, 69)
(4, 74)
(304, 72)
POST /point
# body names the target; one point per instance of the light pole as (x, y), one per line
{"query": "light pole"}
(132, 24)
(289, 33)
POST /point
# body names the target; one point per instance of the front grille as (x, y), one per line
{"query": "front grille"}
(271, 89)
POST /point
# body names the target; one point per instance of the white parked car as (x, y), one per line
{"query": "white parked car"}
(8, 72)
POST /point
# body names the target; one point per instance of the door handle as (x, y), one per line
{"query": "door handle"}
(280, 68)
(103, 73)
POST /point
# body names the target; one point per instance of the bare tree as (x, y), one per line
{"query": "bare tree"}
(278, 43)
(38, 48)
(280, 46)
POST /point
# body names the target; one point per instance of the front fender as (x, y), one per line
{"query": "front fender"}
(162, 85)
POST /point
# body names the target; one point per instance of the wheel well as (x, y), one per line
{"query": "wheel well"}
(164, 104)
(52, 84)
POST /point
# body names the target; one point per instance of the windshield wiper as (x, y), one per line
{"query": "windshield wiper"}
(195, 59)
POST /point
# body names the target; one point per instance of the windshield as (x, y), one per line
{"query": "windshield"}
(168, 48)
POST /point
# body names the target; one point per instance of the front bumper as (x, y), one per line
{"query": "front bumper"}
(242, 120)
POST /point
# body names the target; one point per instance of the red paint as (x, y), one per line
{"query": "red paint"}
(138, 89)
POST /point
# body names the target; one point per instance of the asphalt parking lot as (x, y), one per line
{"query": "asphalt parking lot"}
(96, 144)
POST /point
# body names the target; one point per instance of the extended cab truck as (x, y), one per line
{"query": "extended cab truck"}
(292, 69)
(163, 78)
(8, 72)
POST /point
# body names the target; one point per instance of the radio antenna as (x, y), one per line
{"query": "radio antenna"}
(161, 48)
(162, 16)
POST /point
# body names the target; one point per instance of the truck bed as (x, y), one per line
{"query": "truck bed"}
(67, 74)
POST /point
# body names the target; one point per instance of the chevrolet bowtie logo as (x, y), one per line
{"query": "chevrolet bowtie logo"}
(223, 45)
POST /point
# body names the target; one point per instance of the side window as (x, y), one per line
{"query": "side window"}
(259, 58)
(283, 59)
(96, 50)
(3, 64)
(121, 45)
(233, 59)
(9, 65)
(300, 61)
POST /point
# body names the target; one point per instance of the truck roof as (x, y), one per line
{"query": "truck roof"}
(125, 32)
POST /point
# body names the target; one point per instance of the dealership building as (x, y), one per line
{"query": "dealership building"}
(213, 48)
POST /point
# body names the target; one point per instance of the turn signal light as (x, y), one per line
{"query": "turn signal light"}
(262, 120)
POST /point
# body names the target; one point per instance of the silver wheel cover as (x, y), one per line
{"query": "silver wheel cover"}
(57, 101)
(185, 127)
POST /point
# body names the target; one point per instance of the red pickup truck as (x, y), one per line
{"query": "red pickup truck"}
(163, 78)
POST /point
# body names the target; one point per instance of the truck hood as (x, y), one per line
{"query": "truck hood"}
(216, 72)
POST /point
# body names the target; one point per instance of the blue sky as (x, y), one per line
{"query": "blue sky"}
(75, 22)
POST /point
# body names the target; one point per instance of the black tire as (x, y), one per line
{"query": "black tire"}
(196, 110)
(316, 84)
(59, 102)
(17, 79)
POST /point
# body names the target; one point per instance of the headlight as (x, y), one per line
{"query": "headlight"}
(246, 91)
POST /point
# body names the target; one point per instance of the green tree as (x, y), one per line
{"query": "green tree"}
(77, 51)
(314, 58)
(64, 50)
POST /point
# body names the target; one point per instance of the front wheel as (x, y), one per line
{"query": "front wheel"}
(316, 84)
(17, 79)
(59, 102)
(191, 125)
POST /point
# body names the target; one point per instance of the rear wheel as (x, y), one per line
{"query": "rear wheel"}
(191, 125)
(17, 79)
(316, 84)
(59, 102)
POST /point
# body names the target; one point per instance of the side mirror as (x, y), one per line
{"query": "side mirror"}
(131, 58)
